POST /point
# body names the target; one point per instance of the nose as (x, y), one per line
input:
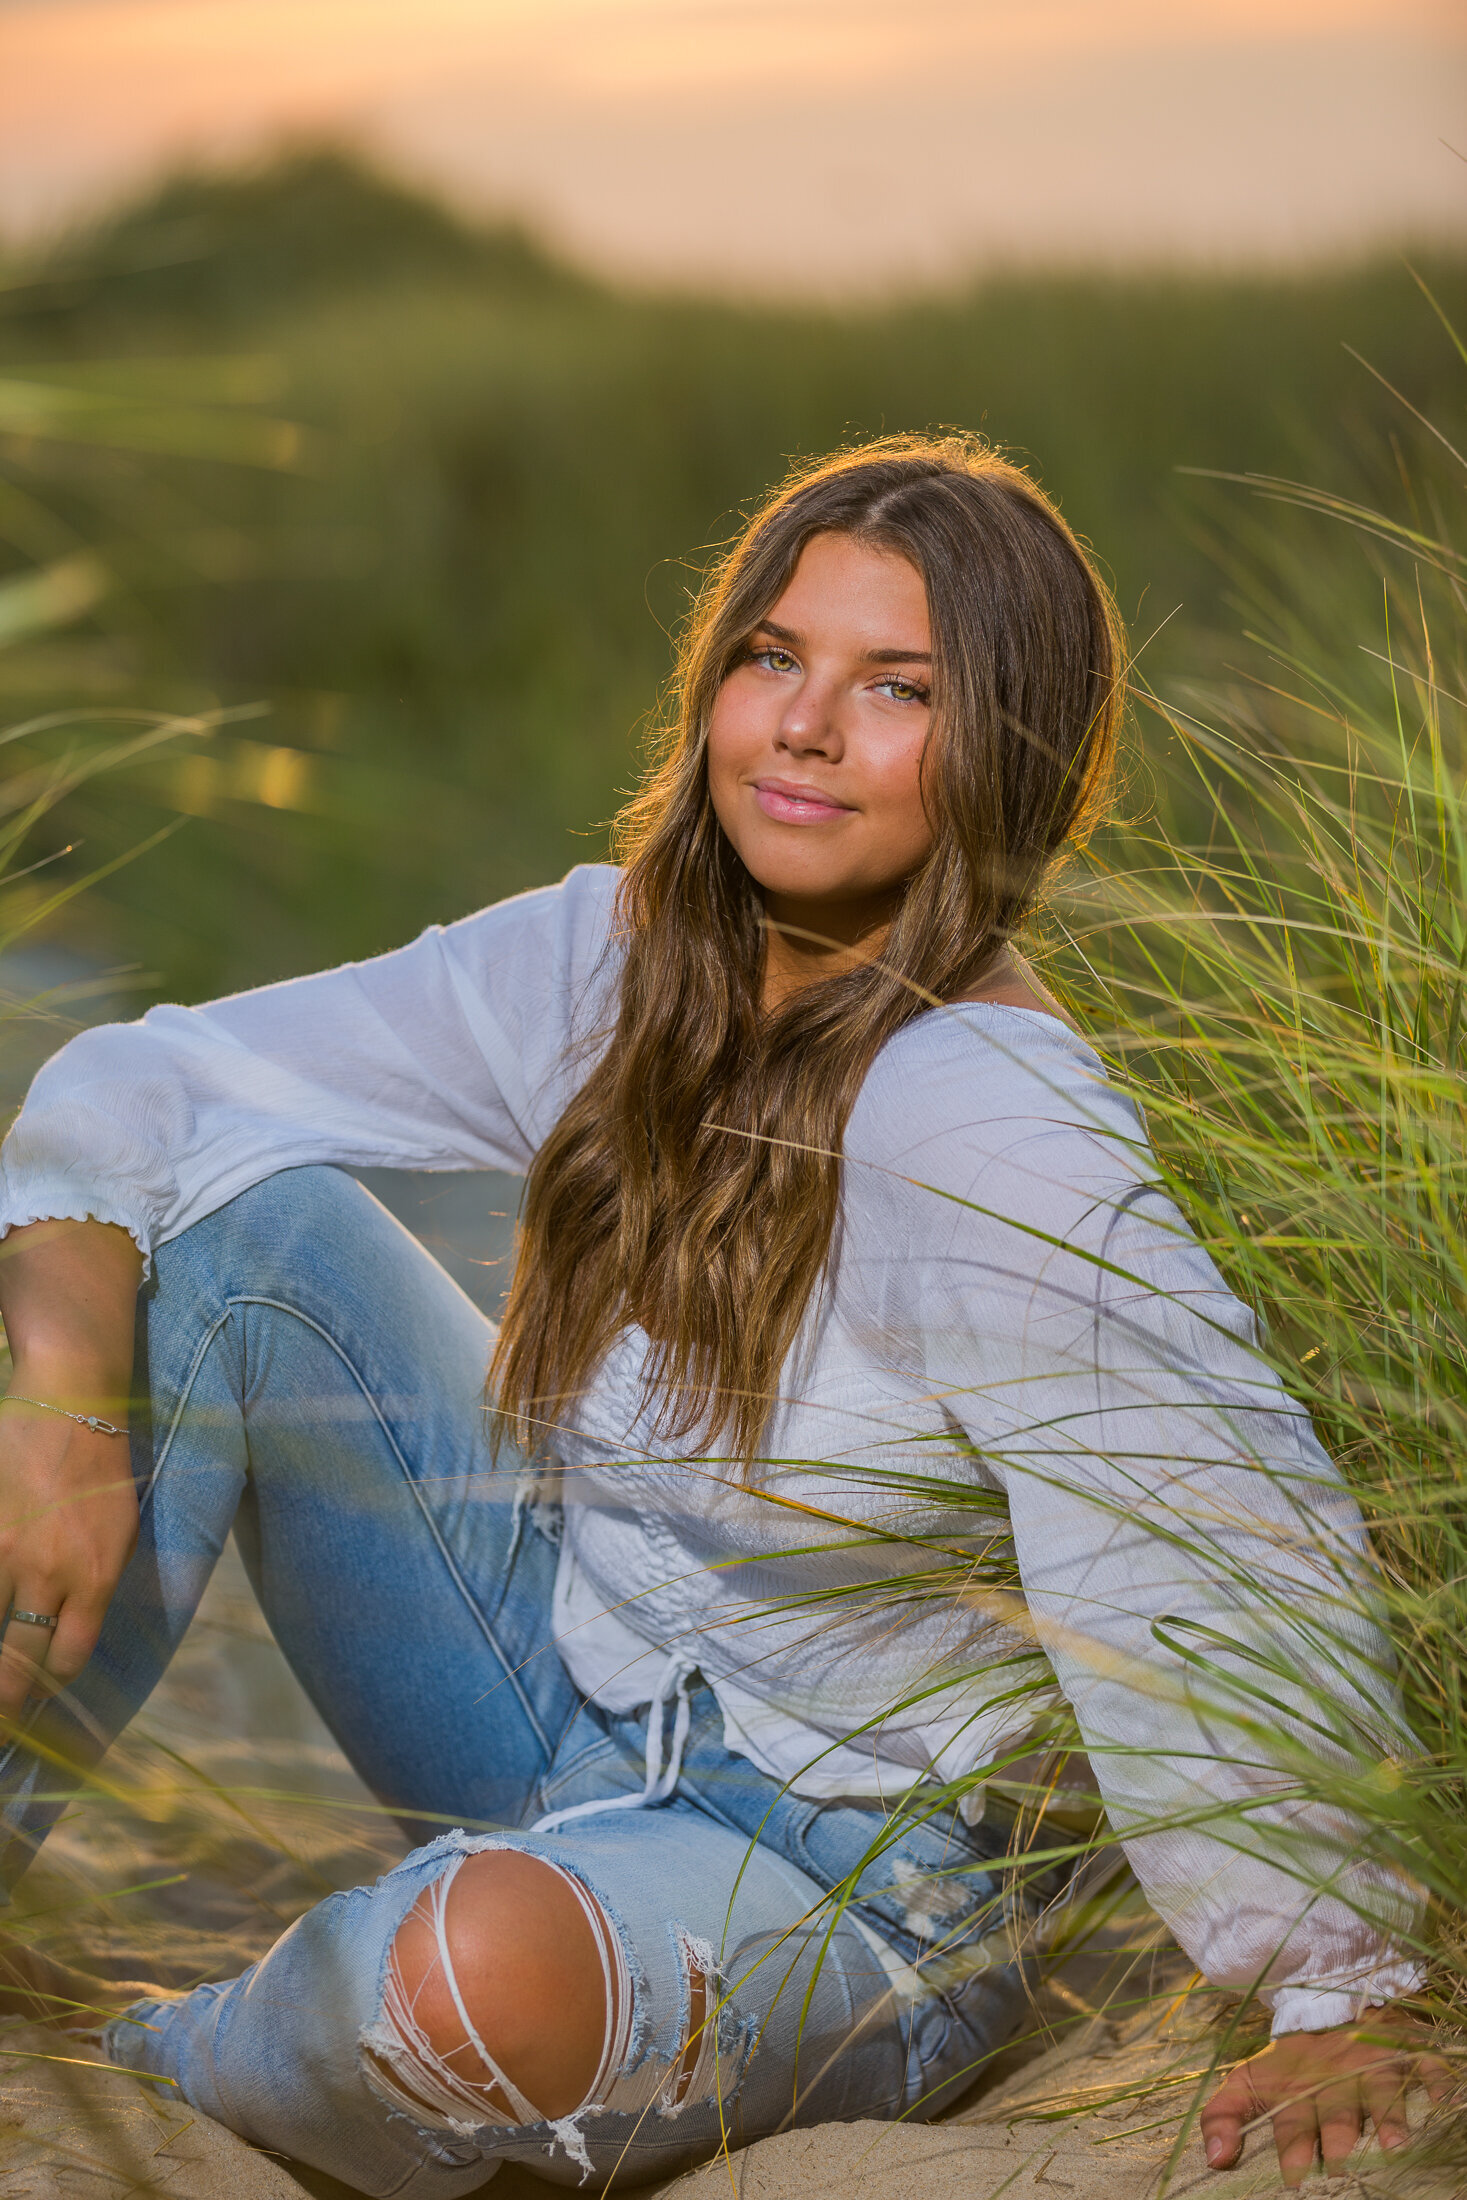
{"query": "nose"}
(810, 725)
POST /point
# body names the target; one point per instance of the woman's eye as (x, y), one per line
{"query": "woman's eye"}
(904, 691)
(773, 660)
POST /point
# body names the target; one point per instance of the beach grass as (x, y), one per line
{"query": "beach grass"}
(1269, 946)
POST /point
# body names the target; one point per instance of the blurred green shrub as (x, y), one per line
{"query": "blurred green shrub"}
(490, 485)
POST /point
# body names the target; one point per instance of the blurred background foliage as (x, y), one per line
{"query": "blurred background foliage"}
(297, 437)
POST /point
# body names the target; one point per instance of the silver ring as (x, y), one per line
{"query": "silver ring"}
(35, 1619)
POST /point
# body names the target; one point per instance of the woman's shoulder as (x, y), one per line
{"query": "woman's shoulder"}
(981, 1089)
(533, 977)
(575, 909)
(546, 944)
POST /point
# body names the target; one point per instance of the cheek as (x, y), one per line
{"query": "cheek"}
(733, 738)
(738, 719)
(717, 763)
(897, 792)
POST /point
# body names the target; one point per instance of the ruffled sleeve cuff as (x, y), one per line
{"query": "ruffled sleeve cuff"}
(1320, 2008)
(59, 1199)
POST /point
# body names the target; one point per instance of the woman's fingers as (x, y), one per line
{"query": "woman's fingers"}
(1296, 2128)
(1339, 2114)
(25, 1650)
(1296, 2136)
(1316, 2091)
(68, 1522)
(73, 1640)
(1385, 2098)
(1318, 2088)
(39, 1660)
(1225, 2116)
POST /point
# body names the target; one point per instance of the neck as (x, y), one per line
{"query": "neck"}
(805, 942)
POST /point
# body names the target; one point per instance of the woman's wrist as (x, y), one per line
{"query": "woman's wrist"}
(74, 1373)
(104, 1411)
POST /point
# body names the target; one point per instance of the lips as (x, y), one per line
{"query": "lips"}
(792, 804)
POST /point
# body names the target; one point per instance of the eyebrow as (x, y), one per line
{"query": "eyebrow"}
(869, 657)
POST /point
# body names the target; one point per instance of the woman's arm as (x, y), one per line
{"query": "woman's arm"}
(1199, 1579)
(1196, 1571)
(68, 1509)
(451, 1053)
(448, 1054)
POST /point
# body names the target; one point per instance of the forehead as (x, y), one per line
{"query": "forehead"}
(846, 590)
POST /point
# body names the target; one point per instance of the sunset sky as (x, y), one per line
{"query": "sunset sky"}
(787, 145)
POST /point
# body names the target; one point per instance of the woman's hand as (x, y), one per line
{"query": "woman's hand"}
(1319, 2088)
(68, 1508)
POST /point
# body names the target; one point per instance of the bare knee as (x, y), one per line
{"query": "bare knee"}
(526, 1972)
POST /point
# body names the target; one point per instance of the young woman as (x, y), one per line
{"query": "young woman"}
(838, 1252)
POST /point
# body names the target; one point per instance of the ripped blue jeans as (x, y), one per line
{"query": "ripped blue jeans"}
(315, 1381)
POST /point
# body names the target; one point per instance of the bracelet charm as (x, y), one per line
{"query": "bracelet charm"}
(92, 1421)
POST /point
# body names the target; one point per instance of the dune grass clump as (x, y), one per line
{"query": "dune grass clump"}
(1272, 951)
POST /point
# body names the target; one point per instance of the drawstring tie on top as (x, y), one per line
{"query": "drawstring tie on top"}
(661, 1779)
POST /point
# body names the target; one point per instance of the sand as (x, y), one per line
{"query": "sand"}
(70, 2128)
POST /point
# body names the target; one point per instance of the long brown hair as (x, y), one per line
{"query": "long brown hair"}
(692, 1184)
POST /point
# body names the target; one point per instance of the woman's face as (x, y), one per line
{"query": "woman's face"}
(815, 744)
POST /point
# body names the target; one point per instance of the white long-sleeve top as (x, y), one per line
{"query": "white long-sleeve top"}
(1014, 1316)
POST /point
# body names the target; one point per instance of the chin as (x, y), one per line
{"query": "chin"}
(799, 886)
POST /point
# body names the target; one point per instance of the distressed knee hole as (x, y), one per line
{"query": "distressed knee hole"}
(482, 1987)
(696, 2076)
(502, 2002)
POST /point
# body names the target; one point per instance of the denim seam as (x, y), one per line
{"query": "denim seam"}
(195, 1368)
(564, 1772)
(280, 1306)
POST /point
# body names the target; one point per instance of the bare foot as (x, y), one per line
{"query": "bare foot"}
(47, 1992)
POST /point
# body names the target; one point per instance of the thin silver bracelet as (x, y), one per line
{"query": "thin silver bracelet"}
(82, 1420)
